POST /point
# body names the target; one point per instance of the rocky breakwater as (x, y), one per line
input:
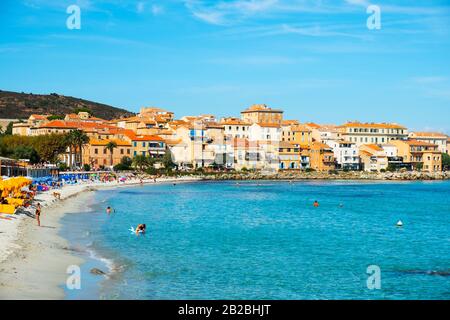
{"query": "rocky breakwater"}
(334, 175)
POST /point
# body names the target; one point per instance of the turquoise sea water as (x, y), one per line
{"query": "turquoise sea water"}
(265, 240)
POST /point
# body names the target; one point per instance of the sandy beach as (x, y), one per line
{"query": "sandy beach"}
(34, 260)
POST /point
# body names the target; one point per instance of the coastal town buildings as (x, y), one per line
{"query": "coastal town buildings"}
(321, 157)
(324, 133)
(436, 138)
(346, 154)
(373, 158)
(97, 154)
(259, 139)
(420, 155)
(372, 133)
(235, 128)
(290, 156)
(260, 113)
(448, 145)
(298, 134)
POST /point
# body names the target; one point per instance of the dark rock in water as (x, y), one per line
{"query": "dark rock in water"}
(429, 272)
(97, 272)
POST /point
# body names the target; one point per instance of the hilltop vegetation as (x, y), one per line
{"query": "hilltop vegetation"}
(14, 105)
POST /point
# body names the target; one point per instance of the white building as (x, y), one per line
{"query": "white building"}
(235, 128)
(390, 150)
(346, 154)
(264, 132)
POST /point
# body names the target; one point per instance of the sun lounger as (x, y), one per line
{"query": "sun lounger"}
(7, 208)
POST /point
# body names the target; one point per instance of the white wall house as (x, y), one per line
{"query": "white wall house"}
(346, 154)
(264, 132)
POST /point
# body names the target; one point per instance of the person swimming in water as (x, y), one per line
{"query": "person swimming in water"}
(316, 204)
(141, 228)
(108, 210)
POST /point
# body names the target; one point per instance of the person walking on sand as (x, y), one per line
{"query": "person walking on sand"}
(38, 214)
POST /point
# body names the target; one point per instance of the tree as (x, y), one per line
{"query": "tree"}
(26, 152)
(9, 129)
(48, 147)
(125, 164)
(111, 146)
(140, 162)
(445, 161)
(69, 142)
(167, 161)
(80, 139)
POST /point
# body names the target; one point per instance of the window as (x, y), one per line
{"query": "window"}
(96, 151)
(135, 153)
(121, 151)
(104, 150)
(128, 151)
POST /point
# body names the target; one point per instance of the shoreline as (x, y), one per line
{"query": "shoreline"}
(23, 244)
(49, 253)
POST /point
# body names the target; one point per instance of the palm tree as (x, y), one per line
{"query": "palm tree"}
(69, 141)
(111, 146)
(80, 139)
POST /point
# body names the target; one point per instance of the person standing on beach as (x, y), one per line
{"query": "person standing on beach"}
(38, 214)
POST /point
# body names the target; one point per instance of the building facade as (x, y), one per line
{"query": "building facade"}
(372, 133)
(420, 155)
(260, 113)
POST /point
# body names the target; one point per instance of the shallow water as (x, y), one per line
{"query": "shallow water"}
(265, 240)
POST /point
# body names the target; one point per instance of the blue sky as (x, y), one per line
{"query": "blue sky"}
(317, 60)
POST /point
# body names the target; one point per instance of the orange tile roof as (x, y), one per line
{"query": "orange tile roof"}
(373, 147)
(289, 122)
(300, 128)
(320, 145)
(40, 116)
(365, 153)
(260, 108)
(268, 125)
(62, 124)
(429, 134)
(313, 125)
(419, 143)
(147, 138)
(372, 125)
(235, 122)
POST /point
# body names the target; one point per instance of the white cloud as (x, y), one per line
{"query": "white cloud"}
(157, 9)
(140, 6)
(429, 79)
